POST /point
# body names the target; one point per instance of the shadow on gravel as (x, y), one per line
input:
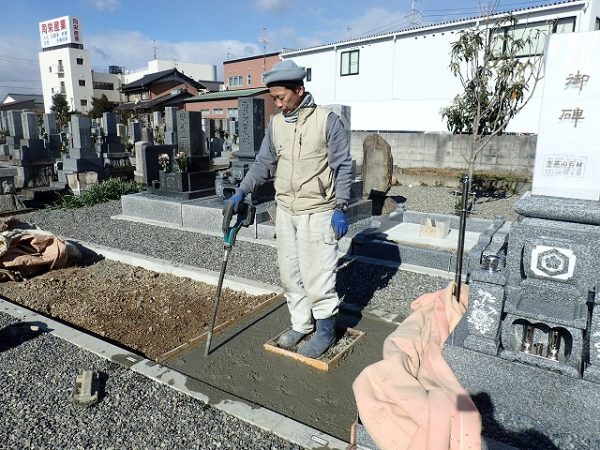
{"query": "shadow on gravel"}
(356, 285)
(495, 430)
(18, 333)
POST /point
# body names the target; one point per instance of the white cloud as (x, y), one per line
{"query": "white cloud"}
(19, 69)
(273, 5)
(133, 50)
(105, 5)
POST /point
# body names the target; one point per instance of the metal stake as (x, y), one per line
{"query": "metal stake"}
(461, 235)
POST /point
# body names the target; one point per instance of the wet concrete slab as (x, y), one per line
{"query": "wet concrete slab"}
(238, 364)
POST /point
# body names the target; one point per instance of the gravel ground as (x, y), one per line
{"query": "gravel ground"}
(38, 376)
(33, 397)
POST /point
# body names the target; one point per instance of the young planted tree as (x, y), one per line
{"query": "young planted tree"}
(499, 66)
(60, 108)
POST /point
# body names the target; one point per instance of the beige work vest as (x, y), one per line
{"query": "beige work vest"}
(304, 182)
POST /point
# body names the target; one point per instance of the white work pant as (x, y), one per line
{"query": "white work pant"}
(307, 255)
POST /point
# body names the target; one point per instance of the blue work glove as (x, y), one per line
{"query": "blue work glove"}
(236, 199)
(339, 223)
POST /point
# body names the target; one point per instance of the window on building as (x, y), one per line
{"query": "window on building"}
(236, 81)
(205, 111)
(62, 87)
(536, 33)
(52, 90)
(81, 82)
(80, 61)
(218, 111)
(308, 74)
(101, 85)
(232, 112)
(145, 95)
(564, 25)
(597, 27)
(83, 102)
(50, 69)
(60, 66)
(349, 63)
(249, 83)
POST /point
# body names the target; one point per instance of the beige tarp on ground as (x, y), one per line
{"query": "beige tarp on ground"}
(412, 399)
(27, 252)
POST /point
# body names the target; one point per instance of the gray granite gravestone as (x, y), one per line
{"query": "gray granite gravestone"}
(122, 133)
(147, 134)
(195, 179)
(82, 156)
(3, 122)
(171, 125)
(116, 159)
(15, 125)
(30, 126)
(533, 323)
(15, 129)
(157, 119)
(208, 131)
(251, 117)
(28, 154)
(50, 124)
(135, 130)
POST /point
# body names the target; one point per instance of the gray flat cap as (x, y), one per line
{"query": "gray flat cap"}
(285, 73)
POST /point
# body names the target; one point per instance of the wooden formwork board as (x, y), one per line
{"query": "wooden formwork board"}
(277, 299)
(325, 362)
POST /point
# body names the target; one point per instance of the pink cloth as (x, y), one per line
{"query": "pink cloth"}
(412, 399)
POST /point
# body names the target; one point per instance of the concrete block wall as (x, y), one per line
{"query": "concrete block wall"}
(506, 153)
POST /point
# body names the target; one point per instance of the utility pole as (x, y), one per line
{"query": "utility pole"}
(264, 41)
(415, 14)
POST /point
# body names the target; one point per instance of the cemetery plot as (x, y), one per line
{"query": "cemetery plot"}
(150, 313)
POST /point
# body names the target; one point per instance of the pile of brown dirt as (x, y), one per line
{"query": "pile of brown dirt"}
(148, 312)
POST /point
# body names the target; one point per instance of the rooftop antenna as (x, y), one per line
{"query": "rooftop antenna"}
(264, 41)
(349, 29)
(415, 14)
(154, 47)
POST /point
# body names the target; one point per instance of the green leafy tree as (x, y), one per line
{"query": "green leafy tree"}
(60, 108)
(499, 66)
(100, 106)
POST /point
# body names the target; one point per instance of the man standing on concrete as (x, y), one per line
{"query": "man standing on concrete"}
(306, 149)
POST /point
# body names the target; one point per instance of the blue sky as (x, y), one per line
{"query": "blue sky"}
(123, 32)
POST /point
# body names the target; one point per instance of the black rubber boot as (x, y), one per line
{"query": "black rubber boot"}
(323, 338)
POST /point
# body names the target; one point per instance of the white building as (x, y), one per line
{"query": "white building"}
(65, 64)
(65, 68)
(196, 71)
(400, 81)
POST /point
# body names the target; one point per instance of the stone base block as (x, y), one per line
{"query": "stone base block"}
(547, 402)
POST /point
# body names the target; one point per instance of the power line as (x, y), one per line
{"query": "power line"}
(11, 60)
(503, 5)
(406, 20)
(20, 81)
(19, 87)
